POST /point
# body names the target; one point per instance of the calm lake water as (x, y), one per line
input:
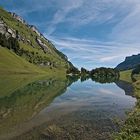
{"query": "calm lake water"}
(57, 109)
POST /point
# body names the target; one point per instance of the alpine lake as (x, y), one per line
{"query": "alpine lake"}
(52, 108)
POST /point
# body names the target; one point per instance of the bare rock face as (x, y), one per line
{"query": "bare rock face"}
(34, 29)
(11, 32)
(7, 35)
(4, 29)
(17, 17)
(20, 19)
(42, 45)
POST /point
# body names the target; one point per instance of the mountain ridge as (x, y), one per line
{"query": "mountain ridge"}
(34, 47)
(130, 62)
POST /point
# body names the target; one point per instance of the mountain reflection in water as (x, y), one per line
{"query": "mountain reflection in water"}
(61, 108)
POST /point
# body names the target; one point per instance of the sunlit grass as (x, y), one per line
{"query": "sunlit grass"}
(126, 76)
(131, 128)
(9, 62)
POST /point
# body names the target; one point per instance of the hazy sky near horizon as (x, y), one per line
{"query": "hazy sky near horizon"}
(92, 33)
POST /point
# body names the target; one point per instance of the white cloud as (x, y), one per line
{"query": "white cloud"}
(82, 12)
(94, 53)
(108, 58)
(64, 8)
(128, 29)
(121, 40)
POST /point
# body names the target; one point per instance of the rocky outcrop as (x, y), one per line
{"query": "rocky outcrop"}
(34, 29)
(11, 32)
(8, 32)
(17, 17)
(20, 19)
(2, 27)
(42, 45)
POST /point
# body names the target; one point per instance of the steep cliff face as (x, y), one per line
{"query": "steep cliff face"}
(129, 63)
(34, 47)
(4, 29)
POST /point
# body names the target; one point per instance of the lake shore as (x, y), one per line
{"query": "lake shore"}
(131, 128)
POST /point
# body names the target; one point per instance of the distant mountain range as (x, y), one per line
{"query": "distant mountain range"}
(130, 62)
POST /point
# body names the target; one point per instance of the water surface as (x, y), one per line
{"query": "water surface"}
(54, 108)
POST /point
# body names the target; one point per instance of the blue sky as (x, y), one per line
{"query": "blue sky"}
(92, 33)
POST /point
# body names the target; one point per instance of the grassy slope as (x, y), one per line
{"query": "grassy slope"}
(11, 63)
(27, 33)
(131, 129)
